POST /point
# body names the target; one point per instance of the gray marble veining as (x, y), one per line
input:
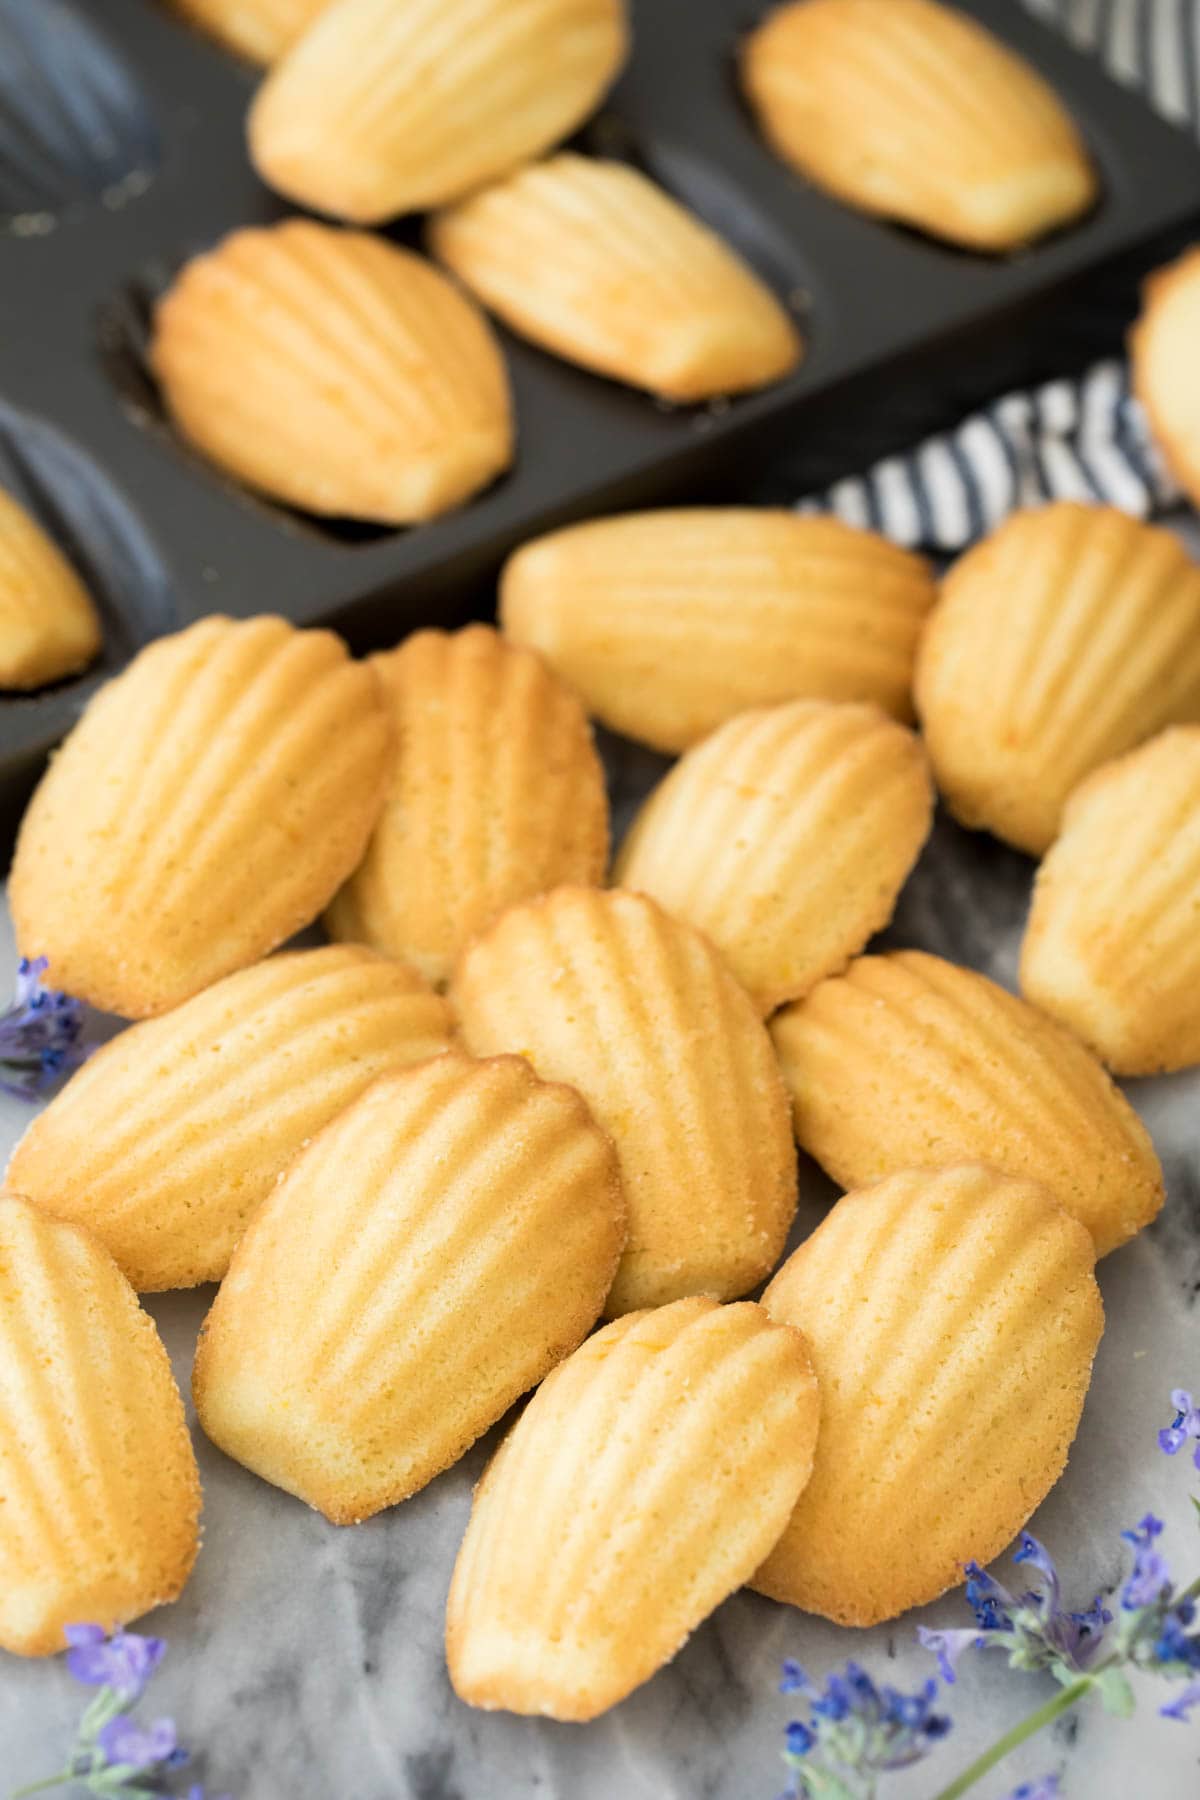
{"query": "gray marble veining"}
(306, 1661)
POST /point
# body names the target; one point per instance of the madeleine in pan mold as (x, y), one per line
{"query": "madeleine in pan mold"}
(171, 1136)
(101, 1496)
(1112, 947)
(392, 106)
(49, 627)
(1162, 348)
(429, 1257)
(592, 260)
(786, 836)
(643, 1483)
(909, 109)
(906, 1061)
(668, 623)
(1060, 641)
(637, 1010)
(496, 794)
(334, 371)
(259, 29)
(943, 1423)
(207, 805)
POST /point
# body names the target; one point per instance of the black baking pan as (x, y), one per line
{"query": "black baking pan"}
(122, 152)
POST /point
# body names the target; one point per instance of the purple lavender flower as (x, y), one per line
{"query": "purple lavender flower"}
(1035, 1629)
(1150, 1577)
(856, 1729)
(128, 1745)
(39, 1033)
(1048, 1788)
(1181, 1705)
(1183, 1427)
(125, 1662)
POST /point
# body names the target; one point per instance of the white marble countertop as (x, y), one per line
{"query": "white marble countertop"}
(305, 1661)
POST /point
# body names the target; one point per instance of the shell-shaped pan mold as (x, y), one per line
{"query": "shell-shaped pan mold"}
(75, 127)
(97, 531)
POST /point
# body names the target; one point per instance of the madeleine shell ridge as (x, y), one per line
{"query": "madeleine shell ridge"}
(786, 837)
(334, 371)
(1112, 948)
(907, 1061)
(594, 261)
(943, 1425)
(1066, 637)
(393, 106)
(101, 1495)
(1162, 365)
(496, 794)
(633, 1495)
(259, 29)
(908, 109)
(636, 1009)
(668, 623)
(429, 1257)
(207, 805)
(49, 626)
(168, 1138)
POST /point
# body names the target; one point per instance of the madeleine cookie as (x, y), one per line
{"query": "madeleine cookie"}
(171, 1135)
(909, 1062)
(668, 623)
(101, 1498)
(390, 106)
(207, 805)
(428, 1258)
(1112, 947)
(637, 1011)
(595, 262)
(259, 29)
(643, 1483)
(334, 371)
(943, 1423)
(1063, 639)
(908, 109)
(786, 836)
(496, 795)
(1162, 349)
(49, 627)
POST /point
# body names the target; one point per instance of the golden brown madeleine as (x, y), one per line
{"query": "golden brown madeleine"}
(390, 106)
(786, 836)
(1062, 640)
(643, 1483)
(668, 623)
(170, 1136)
(496, 794)
(637, 1011)
(259, 29)
(428, 1258)
(207, 805)
(48, 625)
(909, 1062)
(101, 1497)
(1163, 358)
(952, 1318)
(594, 261)
(334, 371)
(909, 109)
(1112, 947)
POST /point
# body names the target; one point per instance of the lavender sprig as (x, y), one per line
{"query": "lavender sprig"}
(854, 1732)
(39, 1034)
(114, 1757)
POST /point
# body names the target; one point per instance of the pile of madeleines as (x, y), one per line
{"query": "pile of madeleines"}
(507, 1102)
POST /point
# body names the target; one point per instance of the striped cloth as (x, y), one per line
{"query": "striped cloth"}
(1071, 439)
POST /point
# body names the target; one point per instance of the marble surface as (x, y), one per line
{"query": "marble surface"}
(306, 1661)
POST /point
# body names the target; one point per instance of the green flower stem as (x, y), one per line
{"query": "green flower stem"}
(1060, 1703)
(39, 1787)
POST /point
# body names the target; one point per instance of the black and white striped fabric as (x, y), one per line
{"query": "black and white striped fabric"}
(1079, 439)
